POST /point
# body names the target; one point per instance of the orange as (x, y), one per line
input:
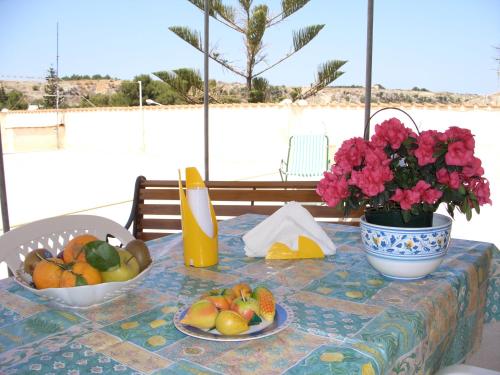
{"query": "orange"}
(91, 275)
(73, 250)
(47, 273)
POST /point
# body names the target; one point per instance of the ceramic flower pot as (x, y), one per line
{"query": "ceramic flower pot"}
(406, 253)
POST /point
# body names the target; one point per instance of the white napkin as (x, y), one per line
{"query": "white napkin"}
(285, 226)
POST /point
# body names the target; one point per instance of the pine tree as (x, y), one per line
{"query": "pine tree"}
(253, 24)
(51, 87)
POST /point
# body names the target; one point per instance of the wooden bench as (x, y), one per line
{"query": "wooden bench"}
(156, 206)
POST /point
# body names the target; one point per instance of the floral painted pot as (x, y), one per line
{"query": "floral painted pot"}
(406, 253)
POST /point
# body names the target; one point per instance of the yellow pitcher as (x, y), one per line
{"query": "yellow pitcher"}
(200, 248)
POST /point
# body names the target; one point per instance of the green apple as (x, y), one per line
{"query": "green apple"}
(126, 270)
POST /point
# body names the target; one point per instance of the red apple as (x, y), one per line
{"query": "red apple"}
(246, 307)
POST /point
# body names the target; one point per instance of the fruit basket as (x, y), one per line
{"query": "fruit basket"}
(69, 260)
(87, 295)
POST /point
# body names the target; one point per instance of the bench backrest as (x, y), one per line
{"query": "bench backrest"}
(156, 209)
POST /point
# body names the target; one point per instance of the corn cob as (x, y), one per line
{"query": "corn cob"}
(265, 298)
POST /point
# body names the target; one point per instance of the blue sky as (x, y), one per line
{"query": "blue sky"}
(444, 45)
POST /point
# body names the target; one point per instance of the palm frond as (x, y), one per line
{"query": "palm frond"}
(289, 7)
(189, 36)
(327, 73)
(305, 35)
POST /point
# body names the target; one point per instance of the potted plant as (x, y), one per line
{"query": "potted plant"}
(400, 178)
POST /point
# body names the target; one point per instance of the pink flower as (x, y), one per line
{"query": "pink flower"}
(371, 179)
(426, 142)
(391, 132)
(455, 133)
(376, 156)
(333, 189)
(406, 198)
(350, 154)
(474, 168)
(431, 195)
(426, 193)
(481, 189)
(458, 154)
(451, 179)
(420, 187)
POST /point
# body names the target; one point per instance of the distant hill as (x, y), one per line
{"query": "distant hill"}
(75, 89)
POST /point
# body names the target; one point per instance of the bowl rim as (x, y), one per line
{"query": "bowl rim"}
(447, 223)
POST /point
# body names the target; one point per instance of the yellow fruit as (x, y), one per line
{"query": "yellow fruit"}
(229, 322)
(201, 314)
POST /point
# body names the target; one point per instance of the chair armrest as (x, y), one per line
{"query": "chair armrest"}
(135, 205)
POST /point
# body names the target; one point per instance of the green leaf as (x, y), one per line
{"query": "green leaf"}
(80, 280)
(101, 255)
(406, 215)
(255, 320)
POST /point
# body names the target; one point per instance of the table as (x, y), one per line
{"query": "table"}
(347, 318)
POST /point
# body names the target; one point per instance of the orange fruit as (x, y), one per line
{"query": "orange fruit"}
(73, 251)
(47, 273)
(90, 275)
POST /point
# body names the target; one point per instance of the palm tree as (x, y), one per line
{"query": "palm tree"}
(252, 25)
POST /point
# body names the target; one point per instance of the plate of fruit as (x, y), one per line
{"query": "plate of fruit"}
(234, 314)
(86, 273)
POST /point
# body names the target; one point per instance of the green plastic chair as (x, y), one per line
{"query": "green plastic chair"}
(307, 157)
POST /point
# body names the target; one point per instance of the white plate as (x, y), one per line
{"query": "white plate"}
(84, 296)
(282, 319)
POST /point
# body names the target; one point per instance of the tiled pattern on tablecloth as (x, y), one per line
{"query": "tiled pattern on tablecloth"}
(152, 330)
(347, 318)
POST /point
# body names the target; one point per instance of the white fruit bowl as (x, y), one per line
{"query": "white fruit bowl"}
(84, 296)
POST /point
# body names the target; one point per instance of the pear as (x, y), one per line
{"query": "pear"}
(229, 322)
(202, 314)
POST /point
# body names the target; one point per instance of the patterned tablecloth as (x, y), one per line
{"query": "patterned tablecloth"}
(347, 318)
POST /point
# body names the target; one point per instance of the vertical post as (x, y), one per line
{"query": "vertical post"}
(57, 84)
(3, 191)
(141, 109)
(205, 90)
(368, 80)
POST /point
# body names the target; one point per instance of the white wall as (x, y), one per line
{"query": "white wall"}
(105, 149)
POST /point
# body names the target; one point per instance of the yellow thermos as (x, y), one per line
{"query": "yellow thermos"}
(199, 225)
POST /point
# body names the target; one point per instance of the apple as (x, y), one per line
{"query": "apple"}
(246, 307)
(126, 270)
